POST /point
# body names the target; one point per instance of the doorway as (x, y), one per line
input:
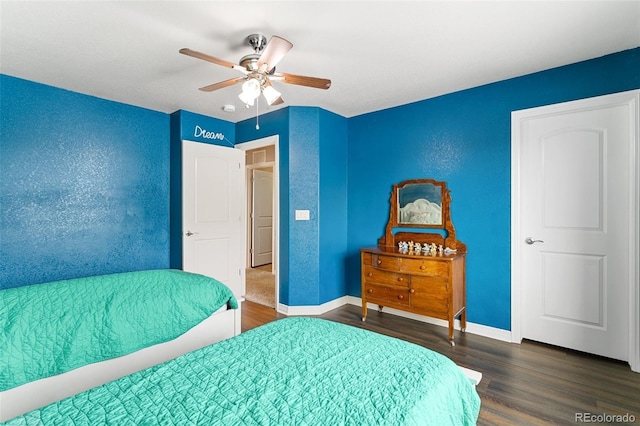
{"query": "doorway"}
(261, 214)
(262, 194)
(574, 230)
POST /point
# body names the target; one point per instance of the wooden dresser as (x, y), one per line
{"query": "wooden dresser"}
(429, 281)
(431, 285)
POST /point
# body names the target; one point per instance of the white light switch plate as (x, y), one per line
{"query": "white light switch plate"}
(302, 214)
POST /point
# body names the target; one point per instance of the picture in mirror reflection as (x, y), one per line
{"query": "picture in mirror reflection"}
(420, 204)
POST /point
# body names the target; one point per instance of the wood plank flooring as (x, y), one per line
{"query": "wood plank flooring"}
(527, 384)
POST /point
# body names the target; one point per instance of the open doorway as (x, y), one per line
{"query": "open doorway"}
(261, 163)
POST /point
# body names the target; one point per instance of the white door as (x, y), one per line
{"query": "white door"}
(575, 237)
(213, 182)
(261, 218)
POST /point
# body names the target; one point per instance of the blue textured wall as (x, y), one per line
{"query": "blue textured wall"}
(83, 185)
(200, 128)
(333, 206)
(175, 192)
(304, 190)
(464, 138)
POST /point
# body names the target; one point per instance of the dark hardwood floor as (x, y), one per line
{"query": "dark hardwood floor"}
(526, 384)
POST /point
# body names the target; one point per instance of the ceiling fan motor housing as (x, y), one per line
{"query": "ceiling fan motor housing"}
(257, 42)
(250, 62)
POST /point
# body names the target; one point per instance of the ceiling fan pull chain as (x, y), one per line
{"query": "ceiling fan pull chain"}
(257, 114)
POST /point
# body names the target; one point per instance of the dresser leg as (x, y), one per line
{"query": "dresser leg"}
(380, 308)
(452, 343)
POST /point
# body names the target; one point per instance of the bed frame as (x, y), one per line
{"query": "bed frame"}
(473, 375)
(222, 324)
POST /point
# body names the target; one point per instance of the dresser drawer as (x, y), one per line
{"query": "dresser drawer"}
(377, 276)
(425, 267)
(432, 305)
(436, 286)
(386, 296)
(390, 263)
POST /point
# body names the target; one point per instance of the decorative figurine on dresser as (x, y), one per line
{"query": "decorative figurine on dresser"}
(418, 272)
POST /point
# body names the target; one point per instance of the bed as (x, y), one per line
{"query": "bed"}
(295, 370)
(61, 338)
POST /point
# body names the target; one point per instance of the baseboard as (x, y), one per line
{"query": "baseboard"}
(478, 329)
(312, 310)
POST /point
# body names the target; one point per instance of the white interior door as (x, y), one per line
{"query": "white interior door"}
(262, 218)
(575, 241)
(214, 213)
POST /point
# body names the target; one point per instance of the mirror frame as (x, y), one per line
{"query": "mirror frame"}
(394, 222)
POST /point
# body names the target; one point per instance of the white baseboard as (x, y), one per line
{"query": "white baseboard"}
(478, 329)
(312, 309)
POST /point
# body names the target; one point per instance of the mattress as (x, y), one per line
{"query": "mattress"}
(291, 371)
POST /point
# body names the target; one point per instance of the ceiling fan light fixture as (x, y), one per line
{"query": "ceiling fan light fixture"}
(250, 91)
(249, 101)
(270, 94)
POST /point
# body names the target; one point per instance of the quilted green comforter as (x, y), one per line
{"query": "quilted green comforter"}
(51, 328)
(294, 371)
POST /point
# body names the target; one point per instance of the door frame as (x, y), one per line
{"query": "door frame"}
(260, 143)
(632, 100)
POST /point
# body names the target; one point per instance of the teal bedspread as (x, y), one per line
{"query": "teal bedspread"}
(294, 371)
(51, 328)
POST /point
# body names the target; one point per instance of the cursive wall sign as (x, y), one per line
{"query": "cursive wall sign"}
(199, 132)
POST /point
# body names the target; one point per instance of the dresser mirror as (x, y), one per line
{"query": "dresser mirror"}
(416, 204)
(420, 204)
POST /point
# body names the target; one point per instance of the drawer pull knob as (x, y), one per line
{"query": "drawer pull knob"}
(422, 267)
(379, 261)
(400, 279)
(400, 297)
(369, 274)
(369, 291)
(412, 291)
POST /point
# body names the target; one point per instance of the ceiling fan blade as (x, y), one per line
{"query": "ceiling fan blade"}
(222, 84)
(213, 59)
(301, 80)
(273, 53)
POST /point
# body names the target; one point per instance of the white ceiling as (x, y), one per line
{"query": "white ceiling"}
(378, 54)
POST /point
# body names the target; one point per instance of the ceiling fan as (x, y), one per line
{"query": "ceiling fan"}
(259, 69)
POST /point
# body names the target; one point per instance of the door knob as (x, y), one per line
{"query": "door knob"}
(530, 241)
(189, 233)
